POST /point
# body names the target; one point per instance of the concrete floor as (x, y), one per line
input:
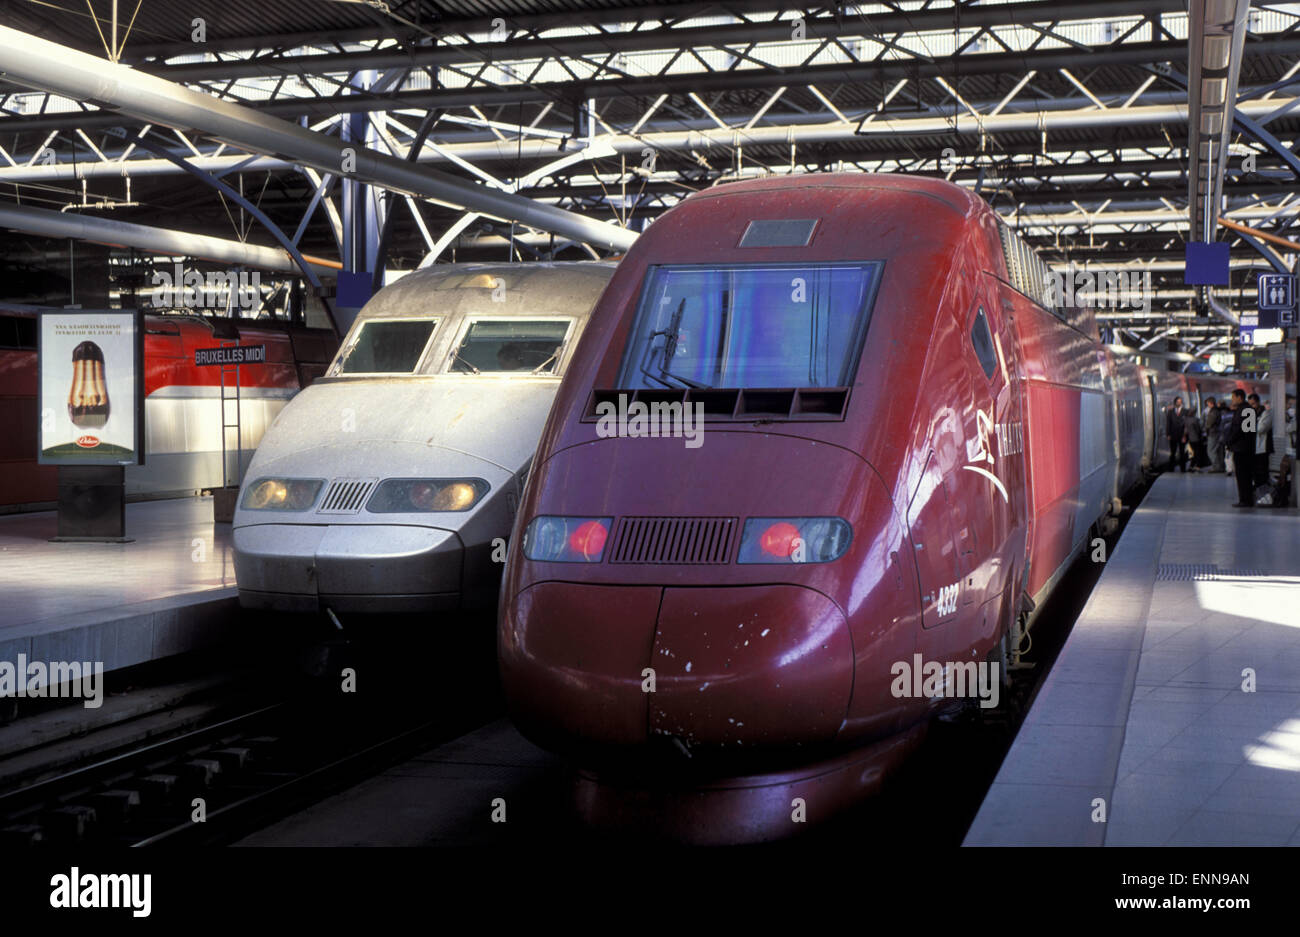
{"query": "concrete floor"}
(1172, 716)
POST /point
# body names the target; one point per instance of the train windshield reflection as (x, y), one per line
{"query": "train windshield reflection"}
(496, 344)
(750, 325)
(387, 346)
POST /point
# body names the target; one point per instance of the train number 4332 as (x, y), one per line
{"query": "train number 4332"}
(947, 601)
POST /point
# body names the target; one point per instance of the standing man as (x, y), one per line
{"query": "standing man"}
(1240, 440)
(1174, 433)
(1263, 438)
(1214, 434)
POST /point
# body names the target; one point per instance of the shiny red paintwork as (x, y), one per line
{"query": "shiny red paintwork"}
(950, 478)
(820, 673)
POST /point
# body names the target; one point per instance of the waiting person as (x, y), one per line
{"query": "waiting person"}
(1176, 435)
(1195, 437)
(1240, 441)
(1214, 434)
(1263, 438)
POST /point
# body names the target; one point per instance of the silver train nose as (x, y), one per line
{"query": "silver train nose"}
(379, 568)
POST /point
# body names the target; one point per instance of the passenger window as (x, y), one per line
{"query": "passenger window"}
(982, 339)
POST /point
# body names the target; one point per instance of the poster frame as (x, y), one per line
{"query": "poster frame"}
(137, 324)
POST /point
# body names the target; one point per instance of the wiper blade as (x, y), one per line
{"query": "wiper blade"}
(670, 347)
(537, 370)
(456, 356)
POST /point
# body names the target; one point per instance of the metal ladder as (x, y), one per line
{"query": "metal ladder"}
(226, 426)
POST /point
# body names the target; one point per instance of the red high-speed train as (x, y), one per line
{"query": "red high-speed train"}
(182, 400)
(902, 450)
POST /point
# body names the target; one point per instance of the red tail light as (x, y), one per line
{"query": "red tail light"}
(794, 539)
(554, 539)
(779, 539)
(589, 539)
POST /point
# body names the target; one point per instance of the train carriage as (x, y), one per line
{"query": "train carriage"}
(902, 449)
(390, 484)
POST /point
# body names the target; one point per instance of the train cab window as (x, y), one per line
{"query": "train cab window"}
(982, 339)
(387, 346)
(497, 345)
(750, 325)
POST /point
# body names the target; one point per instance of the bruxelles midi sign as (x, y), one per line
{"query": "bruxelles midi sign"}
(231, 354)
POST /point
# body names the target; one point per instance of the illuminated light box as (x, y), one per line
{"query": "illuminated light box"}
(91, 388)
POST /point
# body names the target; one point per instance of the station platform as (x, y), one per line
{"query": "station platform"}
(1172, 715)
(170, 591)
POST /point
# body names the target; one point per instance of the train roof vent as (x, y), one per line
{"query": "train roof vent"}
(679, 541)
(780, 232)
(346, 495)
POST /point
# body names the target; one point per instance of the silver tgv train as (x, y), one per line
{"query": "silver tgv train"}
(389, 484)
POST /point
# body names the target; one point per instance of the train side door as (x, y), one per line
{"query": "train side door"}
(1015, 422)
(980, 496)
(938, 570)
(1152, 418)
(169, 422)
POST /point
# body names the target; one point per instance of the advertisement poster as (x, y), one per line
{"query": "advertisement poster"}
(90, 381)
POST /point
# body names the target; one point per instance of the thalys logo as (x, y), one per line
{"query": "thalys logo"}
(87, 441)
(981, 452)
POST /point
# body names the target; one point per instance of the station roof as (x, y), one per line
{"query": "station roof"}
(1070, 117)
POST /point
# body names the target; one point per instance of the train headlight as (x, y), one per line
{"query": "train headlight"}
(552, 539)
(455, 497)
(794, 540)
(281, 494)
(420, 495)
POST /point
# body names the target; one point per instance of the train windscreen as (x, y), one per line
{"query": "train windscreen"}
(387, 346)
(750, 325)
(495, 345)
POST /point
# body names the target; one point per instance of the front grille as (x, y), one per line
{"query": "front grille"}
(346, 495)
(673, 540)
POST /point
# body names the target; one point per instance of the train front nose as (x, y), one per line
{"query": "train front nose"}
(614, 666)
(768, 665)
(727, 656)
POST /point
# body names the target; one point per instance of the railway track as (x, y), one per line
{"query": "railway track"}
(214, 782)
(211, 785)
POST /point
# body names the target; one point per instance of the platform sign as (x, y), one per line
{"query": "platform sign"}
(1276, 293)
(91, 387)
(230, 355)
(1252, 360)
(1260, 338)
(1206, 264)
